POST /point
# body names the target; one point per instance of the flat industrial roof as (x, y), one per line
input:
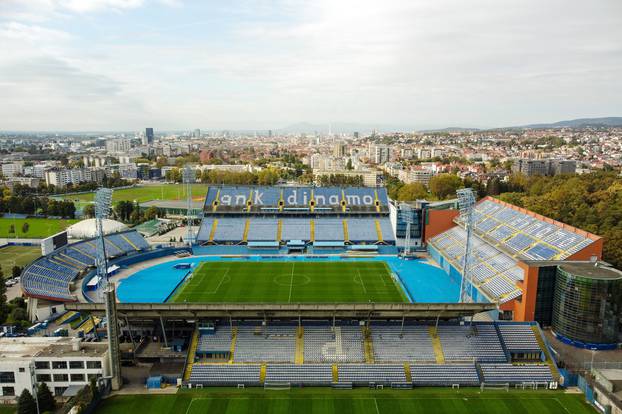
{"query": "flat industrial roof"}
(38, 346)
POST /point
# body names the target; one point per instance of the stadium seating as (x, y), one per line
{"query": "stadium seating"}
(480, 343)
(50, 276)
(415, 343)
(376, 373)
(220, 340)
(311, 374)
(515, 374)
(435, 375)
(271, 344)
(519, 338)
(529, 236)
(296, 229)
(344, 344)
(225, 374)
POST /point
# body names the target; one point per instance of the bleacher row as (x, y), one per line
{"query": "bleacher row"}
(263, 198)
(492, 270)
(241, 229)
(50, 276)
(363, 374)
(525, 235)
(485, 343)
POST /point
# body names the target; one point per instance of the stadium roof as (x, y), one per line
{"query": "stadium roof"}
(526, 235)
(86, 229)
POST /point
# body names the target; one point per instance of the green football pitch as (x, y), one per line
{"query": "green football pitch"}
(146, 193)
(290, 282)
(38, 228)
(358, 401)
(17, 256)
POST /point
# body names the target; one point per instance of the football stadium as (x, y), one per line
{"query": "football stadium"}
(336, 287)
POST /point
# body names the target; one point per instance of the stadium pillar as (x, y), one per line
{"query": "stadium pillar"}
(113, 337)
(163, 332)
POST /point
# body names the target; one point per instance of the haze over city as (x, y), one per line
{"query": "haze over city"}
(172, 64)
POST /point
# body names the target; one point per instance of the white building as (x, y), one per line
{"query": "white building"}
(57, 361)
(12, 169)
(118, 145)
(378, 154)
(60, 178)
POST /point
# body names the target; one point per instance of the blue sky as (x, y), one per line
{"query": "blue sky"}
(178, 64)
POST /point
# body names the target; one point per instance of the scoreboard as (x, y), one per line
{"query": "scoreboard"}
(52, 243)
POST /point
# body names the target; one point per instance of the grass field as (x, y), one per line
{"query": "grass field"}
(38, 227)
(357, 401)
(17, 256)
(290, 282)
(146, 193)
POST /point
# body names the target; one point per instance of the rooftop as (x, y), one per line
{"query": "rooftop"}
(592, 270)
(30, 347)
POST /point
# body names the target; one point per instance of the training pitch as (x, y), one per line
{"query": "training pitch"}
(38, 228)
(303, 281)
(146, 193)
(17, 256)
(358, 401)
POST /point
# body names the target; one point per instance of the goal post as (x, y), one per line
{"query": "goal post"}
(274, 385)
(494, 386)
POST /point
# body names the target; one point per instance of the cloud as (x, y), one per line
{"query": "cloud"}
(219, 64)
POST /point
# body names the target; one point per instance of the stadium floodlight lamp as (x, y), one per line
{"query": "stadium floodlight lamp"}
(103, 202)
(406, 213)
(466, 201)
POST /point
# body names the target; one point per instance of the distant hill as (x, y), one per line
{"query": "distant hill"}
(613, 121)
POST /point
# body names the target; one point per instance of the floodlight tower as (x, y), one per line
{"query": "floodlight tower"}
(103, 201)
(466, 202)
(406, 214)
(189, 177)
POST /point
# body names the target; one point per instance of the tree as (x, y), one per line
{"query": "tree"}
(25, 227)
(16, 271)
(45, 397)
(12, 229)
(89, 211)
(4, 308)
(412, 191)
(349, 164)
(443, 186)
(26, 403)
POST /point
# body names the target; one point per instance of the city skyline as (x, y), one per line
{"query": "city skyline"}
(123, 65)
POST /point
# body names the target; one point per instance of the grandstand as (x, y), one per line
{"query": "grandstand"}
(508, 243)
(416, 354)
(255, 216)
(50, 277)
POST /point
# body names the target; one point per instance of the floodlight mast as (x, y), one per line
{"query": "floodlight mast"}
(466, 202)
(189, 177)
(407, 217)
(103, 202)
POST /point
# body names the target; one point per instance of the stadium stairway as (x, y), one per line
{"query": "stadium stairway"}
(480, 373)
(407, 372)
(117, 246)
(247, 227)
(346, 236)
(549, 360)
(66, 316)
(72, 261)
(376, 201)
(300, 346)
(89, 325)
(502, 342)
(436, 345)
(128, 241)
(87, 254)
(312, 231)
(262, 374)
(194, 342)
(279, 230)
(60, 258)
(368, 345)
(212, 232)
(234, 338)
(379, 231)
(335, 373)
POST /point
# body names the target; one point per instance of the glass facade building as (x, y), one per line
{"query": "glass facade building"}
(587, 303)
